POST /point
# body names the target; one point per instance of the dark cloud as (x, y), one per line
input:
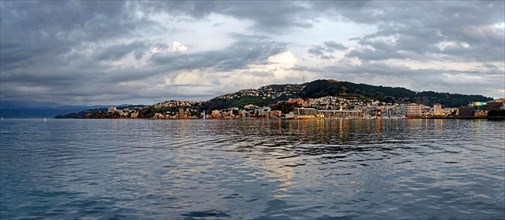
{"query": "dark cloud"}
(35, 31)
(374, 53)
(40, 43)
(267, 16)
(420, 27)
(236, 56)
(332, 45)
(118, 51)
(318, 51)
(326, 49)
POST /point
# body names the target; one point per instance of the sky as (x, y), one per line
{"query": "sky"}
(143, 52)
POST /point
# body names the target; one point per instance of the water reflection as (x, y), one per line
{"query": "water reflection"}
(231, 169)
(439, 124)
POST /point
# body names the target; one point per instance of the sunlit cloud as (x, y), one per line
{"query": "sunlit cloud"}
(178, 47)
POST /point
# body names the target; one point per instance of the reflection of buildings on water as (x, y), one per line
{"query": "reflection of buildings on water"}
(439, 124)
(113, 125)
(479, 129)
(378, 128)
(414, 122)
(321, 130)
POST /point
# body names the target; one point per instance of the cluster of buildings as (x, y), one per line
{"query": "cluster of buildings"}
(124, 112)
(479, 109)
(323, 107)
(338, 107)
(330, 103)
(249, 111)
(181, 113)
(377, 109)
(176, 103)
(368, 110)
(267, 92)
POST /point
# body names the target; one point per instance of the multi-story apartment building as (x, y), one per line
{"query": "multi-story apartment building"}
(412, 110)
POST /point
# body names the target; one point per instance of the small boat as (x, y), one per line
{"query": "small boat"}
(45, 119)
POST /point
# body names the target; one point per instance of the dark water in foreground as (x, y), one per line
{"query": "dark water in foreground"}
(252, 169)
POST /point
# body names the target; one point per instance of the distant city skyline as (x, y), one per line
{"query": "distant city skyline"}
(127, 52)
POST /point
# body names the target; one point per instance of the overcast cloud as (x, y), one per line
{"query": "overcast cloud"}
(113, 52)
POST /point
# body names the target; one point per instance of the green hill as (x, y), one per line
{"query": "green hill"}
(268, 95)
(321, 88)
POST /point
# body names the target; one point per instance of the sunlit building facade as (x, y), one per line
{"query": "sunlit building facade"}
(412, 110)
(437, 109)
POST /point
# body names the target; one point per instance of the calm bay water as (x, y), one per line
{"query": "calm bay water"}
(252, 169)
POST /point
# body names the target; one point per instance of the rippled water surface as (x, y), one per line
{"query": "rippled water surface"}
(252, 169)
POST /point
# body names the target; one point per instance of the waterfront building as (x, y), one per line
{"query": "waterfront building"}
(437, 109)
(244, 113)
(390, 111)
(290, 115)
(305, 111)
(262, 111)
(340, 113)
(134, 115)
(181, 113)
(398, 111)
(465, 111)
(228, 113)
(495, 104)
(480, 114)
(275, 114)
(112, 109)
(216, 114)
(413, 110)
(123, 113)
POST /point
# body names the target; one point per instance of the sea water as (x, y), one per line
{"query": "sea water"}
(252, 169)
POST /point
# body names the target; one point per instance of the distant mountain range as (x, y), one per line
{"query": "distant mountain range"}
(38, 112)
(272, 94)
(17, 111)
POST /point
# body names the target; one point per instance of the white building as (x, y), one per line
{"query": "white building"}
(305, 111)
(262, 111)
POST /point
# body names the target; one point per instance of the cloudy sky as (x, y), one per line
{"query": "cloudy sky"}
(113, 52)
